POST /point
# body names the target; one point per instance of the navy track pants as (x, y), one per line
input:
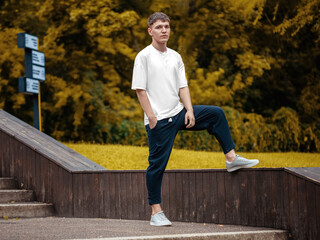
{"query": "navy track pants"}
(161, 139)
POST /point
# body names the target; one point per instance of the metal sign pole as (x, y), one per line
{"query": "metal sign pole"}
(39, 108)
(35, 111)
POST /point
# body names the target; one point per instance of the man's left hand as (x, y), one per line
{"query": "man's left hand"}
(189, 119)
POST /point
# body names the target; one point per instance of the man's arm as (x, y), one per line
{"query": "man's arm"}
(146, 106)
(189, 118)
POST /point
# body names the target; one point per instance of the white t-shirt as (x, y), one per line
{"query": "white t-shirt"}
(161, 74)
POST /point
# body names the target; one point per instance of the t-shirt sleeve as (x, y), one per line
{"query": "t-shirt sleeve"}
(139, 76)
(182, 80)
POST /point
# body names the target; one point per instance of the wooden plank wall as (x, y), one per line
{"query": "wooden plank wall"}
(274, 198)
(255, 197)
(50, 182)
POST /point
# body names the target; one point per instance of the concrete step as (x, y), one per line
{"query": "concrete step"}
(26, 210)
(102, 228)
(243, 235)
(15, 195)
(19, 203)
(8, 183)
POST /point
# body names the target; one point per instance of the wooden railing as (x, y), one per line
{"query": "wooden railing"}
(284, 198)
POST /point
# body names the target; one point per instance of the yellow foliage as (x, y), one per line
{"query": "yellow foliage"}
(310, 101)
(204, 89)
(53, 50)
(251, 9)
(257, 64)
(115, 157)
(276, 8)
(61, 98)
(192, 33)
(257, 132)
(288, 122)
(58, 134)
(158, 5)
(307, 12)
(78, 115)
(235, 43)
(3, 83)
(237, 83)
(125, 50)
(11, 67)
(18, 100)
(105, 44)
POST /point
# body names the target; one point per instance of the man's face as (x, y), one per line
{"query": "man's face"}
(160, 31)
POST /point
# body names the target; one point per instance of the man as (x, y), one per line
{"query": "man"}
(161, 86)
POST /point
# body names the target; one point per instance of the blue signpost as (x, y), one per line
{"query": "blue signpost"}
(35, 73)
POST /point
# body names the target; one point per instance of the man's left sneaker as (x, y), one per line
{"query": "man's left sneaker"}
(241, 162)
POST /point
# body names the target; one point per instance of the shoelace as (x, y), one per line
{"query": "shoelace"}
(162, 216)
(240, 159)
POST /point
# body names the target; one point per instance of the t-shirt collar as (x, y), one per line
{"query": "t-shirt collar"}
(162, 53)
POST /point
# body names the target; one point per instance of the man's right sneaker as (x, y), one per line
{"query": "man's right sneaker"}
(241, 162)
(159, 220)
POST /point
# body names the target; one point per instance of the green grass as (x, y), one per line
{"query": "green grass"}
(117, 157)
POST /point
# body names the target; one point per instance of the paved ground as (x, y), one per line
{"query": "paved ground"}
(89, 228)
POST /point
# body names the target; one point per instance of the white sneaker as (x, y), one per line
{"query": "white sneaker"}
(241, 162)
(159, 220)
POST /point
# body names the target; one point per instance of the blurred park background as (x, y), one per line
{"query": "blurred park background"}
(258, 59)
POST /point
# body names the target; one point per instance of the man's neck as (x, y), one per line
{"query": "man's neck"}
(162, 47)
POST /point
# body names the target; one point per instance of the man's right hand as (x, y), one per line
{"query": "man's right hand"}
(146, 106)
(152, 122)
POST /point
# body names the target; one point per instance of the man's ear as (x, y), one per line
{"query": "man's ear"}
(149, 31)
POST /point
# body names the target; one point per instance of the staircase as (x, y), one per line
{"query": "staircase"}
(20, 203)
